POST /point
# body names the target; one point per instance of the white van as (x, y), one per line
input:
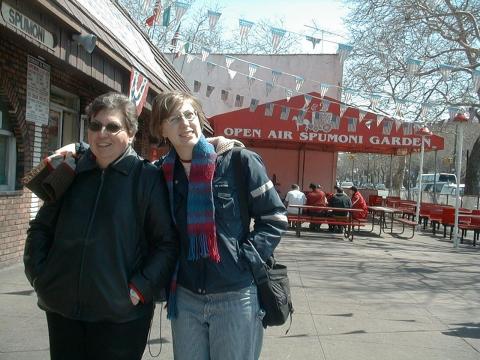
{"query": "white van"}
(450, 189)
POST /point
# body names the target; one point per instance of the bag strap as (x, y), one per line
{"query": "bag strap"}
(238, 165)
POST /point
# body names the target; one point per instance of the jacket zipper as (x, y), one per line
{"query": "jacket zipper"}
(89, 228)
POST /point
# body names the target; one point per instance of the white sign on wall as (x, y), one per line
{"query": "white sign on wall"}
(38, 91)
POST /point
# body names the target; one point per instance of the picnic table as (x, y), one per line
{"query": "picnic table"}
(348, 222)
(382, 212)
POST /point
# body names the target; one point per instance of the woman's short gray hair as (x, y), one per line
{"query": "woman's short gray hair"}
(114, 101)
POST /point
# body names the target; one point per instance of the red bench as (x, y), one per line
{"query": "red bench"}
(329, 220)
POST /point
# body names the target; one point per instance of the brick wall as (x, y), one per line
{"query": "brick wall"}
(14, 218)
(17, 207)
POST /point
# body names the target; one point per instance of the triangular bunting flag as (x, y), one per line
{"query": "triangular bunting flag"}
(323, 89)
(275, 76)
(325, 105)
(347, 95)
(238, 100)
(288, 94)
(268, 88)
(269, 109)
(398, 124)
(368, 124)
(352, 125)
(253, 105)
(313, 40)
(387, 127)
(308, 99)
(205, 53)
(210, 67)
(361, 115)
(232, 73)
(335, 122)
(196, 86)
(343, 108)
(213, 17)
(284, 113)
(379, 119)
(250, 81)
(277, 35)
(407, 128)
(180, 9)
(298, 83)
(229, 61)
(245, 27)
(252, 69)
(224, 95)
(374, 99)
(343, 51)
(190, 57)
(209, 90)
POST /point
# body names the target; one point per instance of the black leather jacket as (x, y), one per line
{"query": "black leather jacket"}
(112, 228)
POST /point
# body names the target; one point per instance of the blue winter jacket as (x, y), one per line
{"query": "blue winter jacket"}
(265, 207)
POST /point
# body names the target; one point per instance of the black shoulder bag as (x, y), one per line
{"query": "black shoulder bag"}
(270, 277)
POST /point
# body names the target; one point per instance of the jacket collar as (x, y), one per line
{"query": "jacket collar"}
(124, 164)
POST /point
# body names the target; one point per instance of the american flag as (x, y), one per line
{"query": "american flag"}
(157, 9)
(176, 37)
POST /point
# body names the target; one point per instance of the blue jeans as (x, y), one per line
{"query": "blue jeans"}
(218, 326)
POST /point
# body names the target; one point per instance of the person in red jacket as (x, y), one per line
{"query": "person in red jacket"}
(316, 197)
(358, 202)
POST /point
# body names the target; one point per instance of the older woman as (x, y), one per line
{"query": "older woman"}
(96, 256)
(213, 301)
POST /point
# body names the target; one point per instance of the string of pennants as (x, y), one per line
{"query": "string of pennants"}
(320, 117)
(299, 81)
(245, 26)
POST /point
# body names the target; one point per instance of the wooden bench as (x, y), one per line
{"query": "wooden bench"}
(349, 225)
(406, 222)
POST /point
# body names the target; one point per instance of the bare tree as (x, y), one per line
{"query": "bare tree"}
(386, 34)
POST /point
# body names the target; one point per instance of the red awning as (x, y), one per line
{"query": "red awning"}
(326, 132)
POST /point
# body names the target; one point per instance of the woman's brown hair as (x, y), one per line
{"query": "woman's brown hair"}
(166, 104)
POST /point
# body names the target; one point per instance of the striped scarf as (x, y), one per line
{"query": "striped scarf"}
(200, 207)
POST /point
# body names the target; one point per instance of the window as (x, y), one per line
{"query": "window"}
(7, 160)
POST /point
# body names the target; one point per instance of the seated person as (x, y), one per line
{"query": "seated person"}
(358, 202)
(316, 197)
(294, 197)
(339, 200)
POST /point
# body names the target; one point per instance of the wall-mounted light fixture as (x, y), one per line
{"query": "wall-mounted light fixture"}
(87, 41)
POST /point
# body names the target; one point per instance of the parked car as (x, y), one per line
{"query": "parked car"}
(451, 189)
(380, 187)
(346, 184)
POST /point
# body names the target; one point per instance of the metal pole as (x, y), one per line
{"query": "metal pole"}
(417, 212)
(390, 182)
(435, 180)
(409, 174)
(459, 172)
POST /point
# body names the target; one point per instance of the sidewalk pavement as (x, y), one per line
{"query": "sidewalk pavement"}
(374, 299)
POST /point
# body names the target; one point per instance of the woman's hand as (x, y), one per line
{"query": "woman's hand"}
(66, 150)
(134, 298)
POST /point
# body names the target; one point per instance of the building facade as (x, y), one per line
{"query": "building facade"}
(56, 56)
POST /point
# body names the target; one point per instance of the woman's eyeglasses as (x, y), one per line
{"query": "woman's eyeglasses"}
(187, 115)
(111, 128)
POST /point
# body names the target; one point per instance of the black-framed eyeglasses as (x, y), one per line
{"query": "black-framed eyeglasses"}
(111, 127)
(187, 115)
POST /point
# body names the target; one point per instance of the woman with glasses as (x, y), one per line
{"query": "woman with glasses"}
(96, 256)
(213, 302)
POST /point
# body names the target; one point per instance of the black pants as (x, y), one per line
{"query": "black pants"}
(81, 340)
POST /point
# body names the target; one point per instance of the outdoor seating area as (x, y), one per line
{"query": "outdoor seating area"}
(393, 216)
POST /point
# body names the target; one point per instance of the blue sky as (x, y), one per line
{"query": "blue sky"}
(327, 14)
